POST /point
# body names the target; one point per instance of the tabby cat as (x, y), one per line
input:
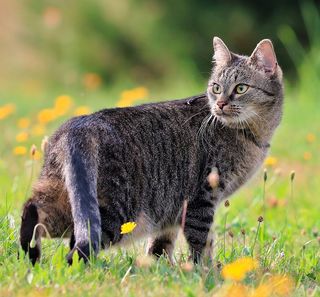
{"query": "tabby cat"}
(139, 164)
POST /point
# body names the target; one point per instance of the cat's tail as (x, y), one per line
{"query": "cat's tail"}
(80, 173)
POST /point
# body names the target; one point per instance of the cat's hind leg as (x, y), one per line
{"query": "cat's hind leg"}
(163, 244)
(47, 210)
(29, 220)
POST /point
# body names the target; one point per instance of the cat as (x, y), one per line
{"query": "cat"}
(139, 164)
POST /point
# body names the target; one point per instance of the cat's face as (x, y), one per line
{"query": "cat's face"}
(243, 90)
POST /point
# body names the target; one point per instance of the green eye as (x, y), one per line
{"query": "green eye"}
(216, 89)
(241, 88)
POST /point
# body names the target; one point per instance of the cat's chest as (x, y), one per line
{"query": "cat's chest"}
(236, 165)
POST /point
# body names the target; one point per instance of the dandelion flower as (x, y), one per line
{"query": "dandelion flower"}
(23, 123)
(82, 110)
(307, 156)
(281, 285)
(46, 115)
(22, 137)
(62, 105)
(310, 137)
(238, 269)
(38, 130)
(6, 110)
(237, 290)
(92, 81)
(129, 97)
(270, 161)
(262, 290)
(128, 227)
(20, 150)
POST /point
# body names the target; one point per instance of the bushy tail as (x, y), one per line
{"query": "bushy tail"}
(80, 172)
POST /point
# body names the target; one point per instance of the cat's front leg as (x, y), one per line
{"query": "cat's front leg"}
(199, 219)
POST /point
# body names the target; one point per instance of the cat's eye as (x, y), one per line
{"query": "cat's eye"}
(216, 89)
(241, 88)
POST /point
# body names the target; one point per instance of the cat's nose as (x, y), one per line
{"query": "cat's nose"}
(221, 104)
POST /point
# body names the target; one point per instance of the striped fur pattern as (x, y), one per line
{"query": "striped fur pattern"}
(140, 163)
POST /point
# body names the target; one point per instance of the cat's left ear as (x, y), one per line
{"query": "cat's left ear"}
(264, 57)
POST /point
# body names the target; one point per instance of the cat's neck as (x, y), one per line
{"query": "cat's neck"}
(263, 128)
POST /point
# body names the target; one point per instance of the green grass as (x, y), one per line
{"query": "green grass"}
(286, 244)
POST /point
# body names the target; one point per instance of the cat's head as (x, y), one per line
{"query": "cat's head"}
(245, 90)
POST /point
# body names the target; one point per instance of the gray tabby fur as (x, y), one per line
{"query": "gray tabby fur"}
(140, 163)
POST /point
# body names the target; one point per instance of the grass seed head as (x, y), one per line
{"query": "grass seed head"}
(315, 232)
(33, 150)
(265, 174)
(292, 175)
(44, 143)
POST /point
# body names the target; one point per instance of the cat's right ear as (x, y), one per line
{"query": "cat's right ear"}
(222, 55)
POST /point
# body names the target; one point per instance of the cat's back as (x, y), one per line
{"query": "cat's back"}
(149, 118)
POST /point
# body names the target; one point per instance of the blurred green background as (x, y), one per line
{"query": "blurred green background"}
(107, 44)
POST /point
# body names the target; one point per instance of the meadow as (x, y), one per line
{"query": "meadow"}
(267, 240)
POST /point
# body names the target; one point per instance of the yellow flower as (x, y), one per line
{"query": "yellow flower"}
(129, 97)
(276, 285)
(238, 269)
(38, 130)
(20, 150)
(23, 123)
(46, 115)
(310, 137)
(92, 81)
(22, 137)
(82, 110)
(128, 227)
(307, 156)
(270, 161)
(262, 290)
(281, 285)
(6, 110)
(62, 105)
(237, 290)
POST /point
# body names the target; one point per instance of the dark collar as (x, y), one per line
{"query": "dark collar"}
(249, 135)
(193, 99)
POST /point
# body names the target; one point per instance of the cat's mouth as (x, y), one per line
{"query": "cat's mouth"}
(227, 115)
